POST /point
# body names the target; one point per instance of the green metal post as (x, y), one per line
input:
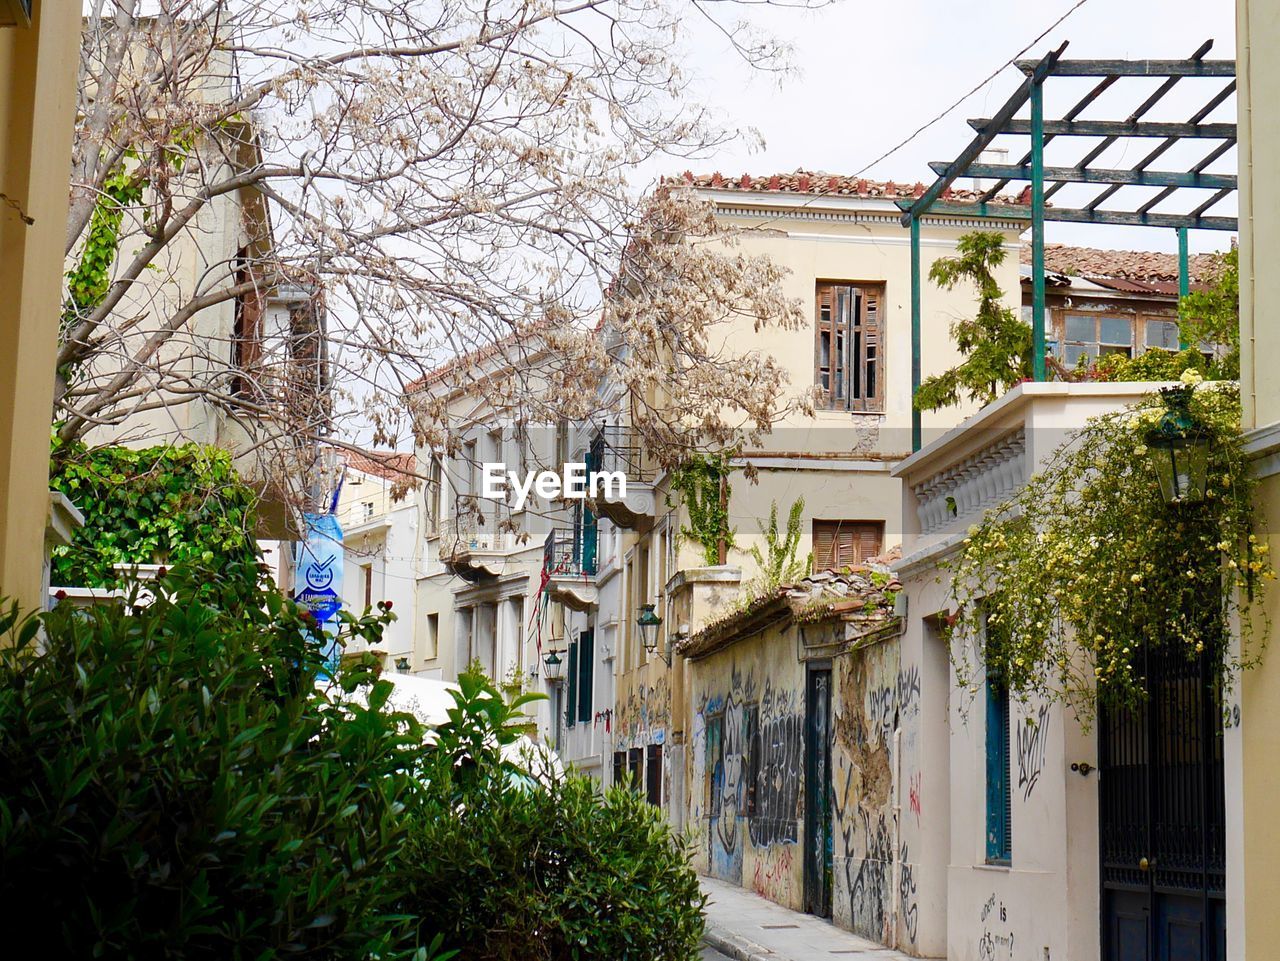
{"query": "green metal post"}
(1184, 275)
(915, 331)
(1037, 231)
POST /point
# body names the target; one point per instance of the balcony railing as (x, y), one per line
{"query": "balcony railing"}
(571, 553)
(615, 447)
(468, 549)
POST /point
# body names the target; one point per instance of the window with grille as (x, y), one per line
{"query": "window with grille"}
(653, 774)
(848, 361)
(841, 544)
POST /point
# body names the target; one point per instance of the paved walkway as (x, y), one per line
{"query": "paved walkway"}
(747, 927)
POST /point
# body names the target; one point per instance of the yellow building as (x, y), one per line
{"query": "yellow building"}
(38, 42)
(849, 266)
(1253, 747)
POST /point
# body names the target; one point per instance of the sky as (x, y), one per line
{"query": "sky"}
(868, 72)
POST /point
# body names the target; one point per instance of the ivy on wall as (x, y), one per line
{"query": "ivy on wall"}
(158, 505)
(1066, 583)
(703, 483)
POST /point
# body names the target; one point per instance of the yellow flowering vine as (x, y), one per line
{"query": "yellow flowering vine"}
(1088, 565)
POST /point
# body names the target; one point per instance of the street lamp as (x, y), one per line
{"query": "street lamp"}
(649, 622)
(402, 665)
(553, 668)
(1179, 450)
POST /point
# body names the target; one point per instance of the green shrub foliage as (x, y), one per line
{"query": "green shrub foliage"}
(159, 505)
(509, 869)
(174, 784)
(180, 781)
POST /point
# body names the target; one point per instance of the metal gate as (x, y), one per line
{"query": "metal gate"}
(817, 807)
(1162, 817)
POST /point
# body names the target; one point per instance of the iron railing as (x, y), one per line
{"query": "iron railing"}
(569, 551)
(616, 447)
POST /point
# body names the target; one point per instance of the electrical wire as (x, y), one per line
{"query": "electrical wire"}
(995, 73)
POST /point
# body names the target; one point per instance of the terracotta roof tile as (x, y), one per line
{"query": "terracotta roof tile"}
(1137, 265)
(813, 182)
(387, 464)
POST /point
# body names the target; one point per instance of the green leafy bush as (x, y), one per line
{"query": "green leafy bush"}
(159, 505)
(174, 784)
(510, 869)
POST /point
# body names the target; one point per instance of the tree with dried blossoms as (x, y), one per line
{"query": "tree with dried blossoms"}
(408, 183)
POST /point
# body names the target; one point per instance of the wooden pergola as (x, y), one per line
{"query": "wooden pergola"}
(1045, 182)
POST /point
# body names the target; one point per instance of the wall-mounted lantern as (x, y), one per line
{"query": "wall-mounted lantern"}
(648, 622)
(1179, 449)
(553, 668)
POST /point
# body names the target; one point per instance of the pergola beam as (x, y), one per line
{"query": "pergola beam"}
(979, 143)
(1074, 215)
(1113, 128)
(1100, 175)
(1136, 68)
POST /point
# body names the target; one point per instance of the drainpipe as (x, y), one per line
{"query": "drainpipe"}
(895, 877)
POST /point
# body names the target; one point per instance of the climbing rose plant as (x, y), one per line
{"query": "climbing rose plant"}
(1070, 579)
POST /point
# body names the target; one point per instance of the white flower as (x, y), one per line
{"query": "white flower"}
(1191, 377)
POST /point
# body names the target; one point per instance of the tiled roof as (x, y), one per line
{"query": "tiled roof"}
(862, 596)
(816, 182)
(1137, 265)
(387, 464)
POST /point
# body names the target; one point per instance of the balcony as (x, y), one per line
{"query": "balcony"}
(569, 568)
(614, 449)
(469, 550)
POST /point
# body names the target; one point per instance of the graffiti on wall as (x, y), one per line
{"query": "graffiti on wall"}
(729, 773)
(908, 902)
(996, 941)
(879, 697)
(773, 875)
(1033, 741)
(749, 751)
(886, 704)
(644, 715)
(778, 770)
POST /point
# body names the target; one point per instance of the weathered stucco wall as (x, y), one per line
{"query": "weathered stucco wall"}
(876, 704)
(747, 814)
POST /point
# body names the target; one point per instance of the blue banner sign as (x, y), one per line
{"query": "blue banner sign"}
(318, 582)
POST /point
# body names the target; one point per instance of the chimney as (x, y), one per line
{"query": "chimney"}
(992, 155)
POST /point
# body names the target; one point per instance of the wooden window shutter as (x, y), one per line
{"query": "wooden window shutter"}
(571, 700)
(871, 395)
(586, 669)
(849, 351)
(825, 344)
(840, 544)
(823, 542)
(619, 766)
